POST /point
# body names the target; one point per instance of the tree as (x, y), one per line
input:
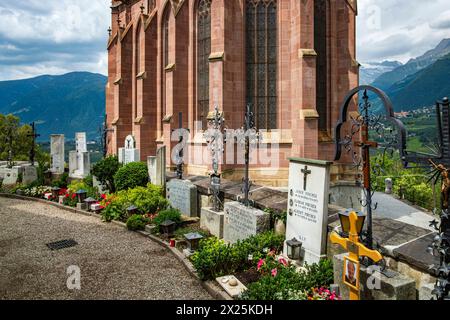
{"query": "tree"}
(104, 171)
(10, 129)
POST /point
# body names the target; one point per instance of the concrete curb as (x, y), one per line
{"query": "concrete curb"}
(213, 290)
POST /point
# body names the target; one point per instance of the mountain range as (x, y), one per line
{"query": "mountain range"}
(65, 104)
(419, 82)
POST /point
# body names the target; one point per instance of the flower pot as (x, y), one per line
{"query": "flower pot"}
(280, 227)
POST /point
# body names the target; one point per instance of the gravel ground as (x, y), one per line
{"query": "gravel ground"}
(114, 263)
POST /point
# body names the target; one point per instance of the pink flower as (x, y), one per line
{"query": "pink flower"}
(283, 261)
(260, 264)
(274, 272)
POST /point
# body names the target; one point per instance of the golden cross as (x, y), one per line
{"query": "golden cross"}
(356, 249)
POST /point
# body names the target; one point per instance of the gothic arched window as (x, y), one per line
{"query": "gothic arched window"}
(203, 53)
(165, 57)
(320, 46)
(138, 50)
(261, 46)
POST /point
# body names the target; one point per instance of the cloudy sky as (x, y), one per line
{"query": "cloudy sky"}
(58, 36)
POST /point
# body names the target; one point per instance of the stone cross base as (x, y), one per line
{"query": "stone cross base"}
(375, 286)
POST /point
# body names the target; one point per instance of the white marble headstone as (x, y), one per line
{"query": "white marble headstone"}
(307, 219)
(129, 153)
(79, 160)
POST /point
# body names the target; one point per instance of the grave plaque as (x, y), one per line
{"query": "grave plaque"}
(307, 219)
(57, 153)
(10, 176)
(182, 195)
(241, 222)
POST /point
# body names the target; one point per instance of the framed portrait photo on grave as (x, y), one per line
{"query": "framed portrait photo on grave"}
(351, 273)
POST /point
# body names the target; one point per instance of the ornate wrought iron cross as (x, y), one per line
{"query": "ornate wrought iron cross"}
(216, 139)
(180, 160)
(104, 130)
(250, 135)
(390, 133)
(9, 142)
(33, 135)
(440, 165)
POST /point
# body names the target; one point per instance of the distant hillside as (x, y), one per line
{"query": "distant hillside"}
(66, 104)
(372, 70)
(422, 88)
(386, 80)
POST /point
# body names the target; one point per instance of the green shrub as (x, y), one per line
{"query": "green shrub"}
(148, 200)
(76, 185)
(132, 175)
(288, 284)
(169, 214)
(105, 170)
(89, 181)
(137, 222)
(215, 258)
(61, 182)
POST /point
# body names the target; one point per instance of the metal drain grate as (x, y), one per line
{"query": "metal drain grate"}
(58, 245)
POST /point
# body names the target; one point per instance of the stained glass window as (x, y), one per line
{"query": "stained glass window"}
(261, 47)
(320, 44)
(165, 59)
(138, 50)
(203, 53)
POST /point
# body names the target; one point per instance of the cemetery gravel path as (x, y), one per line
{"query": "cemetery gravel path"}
(114, 262)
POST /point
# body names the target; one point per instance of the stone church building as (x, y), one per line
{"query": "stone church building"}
(293, 61)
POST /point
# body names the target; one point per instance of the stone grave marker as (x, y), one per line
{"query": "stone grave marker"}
(10, 175)
(29, 175)
(57, 153)
(79, 160)
(307, 218)
(182, 195)
(242, 222)
(157, 167)
(129, 153)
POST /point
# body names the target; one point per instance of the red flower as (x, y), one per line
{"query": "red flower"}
(283, 262)
(103, 196)
(73, 196)
(260, 264)
(274, 272)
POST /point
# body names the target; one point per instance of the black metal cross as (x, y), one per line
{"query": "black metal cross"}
(33, 135)
(306, 173)
(9, 140)
(180, 164)
(249, 125)
(104, 130)
(215, 139)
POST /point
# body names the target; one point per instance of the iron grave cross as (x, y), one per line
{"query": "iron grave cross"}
(33, 135)
(306, 173)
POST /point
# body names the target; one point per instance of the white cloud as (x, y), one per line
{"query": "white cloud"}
(52, 37)
(400, 29)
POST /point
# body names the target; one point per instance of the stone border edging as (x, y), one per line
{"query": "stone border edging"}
(209, 286)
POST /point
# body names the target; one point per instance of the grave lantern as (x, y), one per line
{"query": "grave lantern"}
(55, 192)
(132, 210)
(81, 195)
(168, 228)
(193, 240)
(89, 201)
(293, 249)
(344, 217)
